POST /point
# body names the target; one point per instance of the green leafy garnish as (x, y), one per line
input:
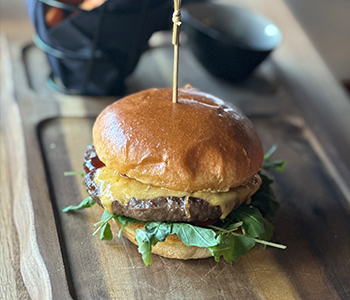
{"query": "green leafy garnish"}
(277, 165)
(124, 221)
(192, 235)
(270, 152)
(148, 237)
(145, 241)
(73, 173)
(254, 224)
(104, 227)
(264, 199)
(155, 232)
(106, 232)
(231, 247)
(87, 202)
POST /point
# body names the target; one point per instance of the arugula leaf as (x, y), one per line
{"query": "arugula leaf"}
(228, 227)
(106, 233)
(87, 202)
(277, 165)
(72, 173)
(233, 226)
(268, 154)
(231, 247)
(266, 243)
(161, 230)
(124, 221)
(192, 235)
(145, 242)
(106, 216)
(264, 199)
(254, 224)
(155, 232)
(148, 237)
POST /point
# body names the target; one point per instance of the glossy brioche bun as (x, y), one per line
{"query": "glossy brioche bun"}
(172, 247)
(200, 143)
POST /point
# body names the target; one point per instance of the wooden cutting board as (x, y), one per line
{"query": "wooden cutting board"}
(46, 134)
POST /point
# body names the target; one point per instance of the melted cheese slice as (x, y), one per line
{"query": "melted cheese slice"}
(114, 187)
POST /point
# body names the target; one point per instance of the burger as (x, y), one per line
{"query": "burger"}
(182, 180)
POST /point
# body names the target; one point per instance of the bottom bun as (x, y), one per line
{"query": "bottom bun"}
(172, 247)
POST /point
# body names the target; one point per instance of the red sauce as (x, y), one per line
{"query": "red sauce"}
(92, 164)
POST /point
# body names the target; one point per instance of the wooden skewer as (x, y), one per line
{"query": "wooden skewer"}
(176, 35)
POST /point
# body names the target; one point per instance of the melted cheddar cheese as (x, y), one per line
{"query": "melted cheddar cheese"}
(114, 187)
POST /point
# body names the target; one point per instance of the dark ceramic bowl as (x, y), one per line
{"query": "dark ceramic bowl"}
(228, 40)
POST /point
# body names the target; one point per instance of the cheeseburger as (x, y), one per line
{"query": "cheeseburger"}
(179, 178)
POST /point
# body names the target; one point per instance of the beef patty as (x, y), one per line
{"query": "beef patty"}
(171, 209)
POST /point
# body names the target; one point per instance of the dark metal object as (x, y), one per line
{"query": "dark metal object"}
(92, 52)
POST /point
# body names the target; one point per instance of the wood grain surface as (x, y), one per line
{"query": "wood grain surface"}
(52, 255)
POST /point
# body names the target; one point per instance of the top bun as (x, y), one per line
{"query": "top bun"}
(198, 144)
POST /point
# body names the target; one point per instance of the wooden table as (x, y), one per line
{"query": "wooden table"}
(294, 102)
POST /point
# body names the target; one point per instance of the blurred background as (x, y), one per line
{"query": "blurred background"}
(326, 22)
